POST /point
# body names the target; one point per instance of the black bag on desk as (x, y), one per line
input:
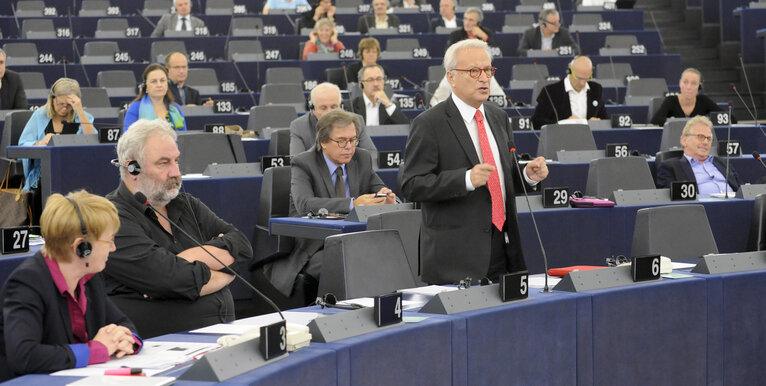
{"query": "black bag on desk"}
(14, 210)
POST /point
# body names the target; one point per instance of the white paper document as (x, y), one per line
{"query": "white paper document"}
(430, 290)
(538, 281)
(239, 327)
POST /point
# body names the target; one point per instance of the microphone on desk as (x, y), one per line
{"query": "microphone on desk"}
(734, 88)
(547, 93)
(512, 149)
(728, 158)
(417, 87)
(242, 78)
(345, 78)
(516, 109)
(141, 198)
(757, 156)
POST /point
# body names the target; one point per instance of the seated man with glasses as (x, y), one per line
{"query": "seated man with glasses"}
(336, 176)
(697, 164)
(549, 36)
(374, 104)
(574, 97)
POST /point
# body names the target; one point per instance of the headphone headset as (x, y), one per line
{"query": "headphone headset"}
(83, 249)
(134, 168)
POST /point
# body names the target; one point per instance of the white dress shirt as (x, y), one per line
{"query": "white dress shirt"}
(372, 116)
(180, 24)
(578, 101)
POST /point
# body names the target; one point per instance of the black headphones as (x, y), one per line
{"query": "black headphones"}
(330, 301)
(134, 168)
(84, 248)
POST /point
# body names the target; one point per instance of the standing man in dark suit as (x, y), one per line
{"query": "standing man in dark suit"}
(460, 170)
(374, 104)
(697, 164)
(333, 175)
(472, 28)
(447, 17)
(549, 36)
(12, 95)
(324, 98)
(182, 20)
(178, 71)
(574, 97)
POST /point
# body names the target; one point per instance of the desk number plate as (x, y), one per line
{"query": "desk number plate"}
(273, 342)
(109, 134)
(15, 240)
(514, 286)
(555, 197)
(388, 309)
(683, 191)
(646, 267)
(215, 128)
(389, 159)
(272, 161)
(617, 150)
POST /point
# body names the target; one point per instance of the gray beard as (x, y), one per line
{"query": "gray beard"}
(159, 194)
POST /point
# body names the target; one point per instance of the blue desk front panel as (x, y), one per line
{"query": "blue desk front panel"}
(650, 334)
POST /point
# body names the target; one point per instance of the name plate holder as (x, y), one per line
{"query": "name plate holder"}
(641, 197)
(731, 262)
(344, 325)
(361, 213)
(749, 191)
(228, 362)
(248, 169)
(469, 299)
(595, 279)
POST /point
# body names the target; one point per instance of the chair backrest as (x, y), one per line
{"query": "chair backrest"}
(14, 125)
(402, 44)
(275, 194)
(529, 72)
(613, 70)
(95, 97)
(364, 264)
(276, 116)
(279, 143)
(605, 175)
(101, 48)
(322, 56)
(243, 47)
(407, 222)
(204, 80)
(30, 8)
(161, 48)
(20, 53)
(336, 76)
(436, 72)
(564, 137)
(586, 18)
(671, 133)
(676, 231)
(620, 41)
(219, 7)
(156, 7)
(281, 93)
(33, 81)
(117, 82)
(757, 239)
(111, 25)
(37, 29)
(649, 87)
(430, 87)
(292, 75)
(519, 19)
(94, 7)
(654, 105)
(246, 26)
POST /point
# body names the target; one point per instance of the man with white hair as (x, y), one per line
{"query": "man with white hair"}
(324, 98)
(460, 170)
(181, 20)
(157, 275)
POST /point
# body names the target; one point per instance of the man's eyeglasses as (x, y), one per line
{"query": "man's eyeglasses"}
(343, 142)
(370, 80)
(702, 137)
(476, 71)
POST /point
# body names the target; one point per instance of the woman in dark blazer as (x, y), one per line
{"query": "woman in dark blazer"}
(689, 102)
(56, 314)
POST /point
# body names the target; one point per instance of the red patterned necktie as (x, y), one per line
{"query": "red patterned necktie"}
(498, 210)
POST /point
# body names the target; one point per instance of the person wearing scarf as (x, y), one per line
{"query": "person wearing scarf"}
(155, 101)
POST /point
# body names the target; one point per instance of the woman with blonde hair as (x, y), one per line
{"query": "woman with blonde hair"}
(324, 38)
(61, 114)
(56, 314)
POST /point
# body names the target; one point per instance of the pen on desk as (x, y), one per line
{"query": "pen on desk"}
(125, 371)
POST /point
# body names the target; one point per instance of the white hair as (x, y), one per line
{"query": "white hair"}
(131, 144)
(322, 87)
(450, 57)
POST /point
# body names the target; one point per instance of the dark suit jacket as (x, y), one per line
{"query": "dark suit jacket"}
(439, 22)
(35, 326)
(456, 231)
(533, 40)
(303, 131)
(679, 169)
(311, 189)
(192, 95)
(398, 118)
(545, 114)
(460, 34)
(368, 21)
(12, 95)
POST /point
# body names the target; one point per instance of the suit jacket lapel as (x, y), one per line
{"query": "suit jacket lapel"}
(382, 115)
(456, 124)
(352, 168)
